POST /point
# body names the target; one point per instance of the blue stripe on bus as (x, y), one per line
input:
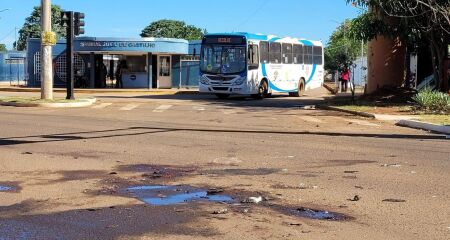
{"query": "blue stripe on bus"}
(306, 42)
(312, 74)
(272, 86)
(274, 39)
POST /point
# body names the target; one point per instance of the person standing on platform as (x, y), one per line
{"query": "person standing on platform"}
(121, 68)
(345, 78)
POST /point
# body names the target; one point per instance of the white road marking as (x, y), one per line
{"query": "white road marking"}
(102, 105)
(228, 111)
(129, 107)
(162, 108)
(310, 119)
(198, 108)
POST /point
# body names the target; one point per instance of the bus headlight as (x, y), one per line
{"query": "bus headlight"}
(204, 80)
(240, 81)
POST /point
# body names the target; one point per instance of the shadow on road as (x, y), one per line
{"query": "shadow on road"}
(136, 131)
(275, 101)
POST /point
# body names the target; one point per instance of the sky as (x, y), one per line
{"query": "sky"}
(314, 20)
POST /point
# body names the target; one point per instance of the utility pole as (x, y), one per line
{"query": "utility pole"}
(48, 39)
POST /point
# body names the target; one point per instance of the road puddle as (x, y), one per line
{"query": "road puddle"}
(319, 214)
(161, 195)
(6, 188)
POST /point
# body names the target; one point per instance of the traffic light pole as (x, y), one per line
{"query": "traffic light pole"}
(69, 57)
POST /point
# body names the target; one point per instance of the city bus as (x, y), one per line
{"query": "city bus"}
(259, 65)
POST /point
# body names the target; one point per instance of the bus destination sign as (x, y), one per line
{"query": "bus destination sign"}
(223, 40)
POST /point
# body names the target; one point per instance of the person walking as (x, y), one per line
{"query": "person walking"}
(345, 78)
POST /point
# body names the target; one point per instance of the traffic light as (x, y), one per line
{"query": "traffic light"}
(78, 23)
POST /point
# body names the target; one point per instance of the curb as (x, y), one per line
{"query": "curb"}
(331, 90)
(82, 103)
(425, 126)
(93, 91)
(362, 114)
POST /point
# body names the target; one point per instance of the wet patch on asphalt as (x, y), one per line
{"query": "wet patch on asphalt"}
(9, 187)
(319, 214)
(162, 195)
(311, 213)
(4, 188)
(157, 171)
(243, 171)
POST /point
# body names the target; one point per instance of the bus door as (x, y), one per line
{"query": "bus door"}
(253, 63)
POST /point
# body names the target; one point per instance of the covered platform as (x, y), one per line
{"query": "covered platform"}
(149, 63)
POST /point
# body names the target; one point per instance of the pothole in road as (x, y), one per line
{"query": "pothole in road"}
(162, 195)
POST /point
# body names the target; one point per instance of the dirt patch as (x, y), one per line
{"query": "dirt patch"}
(344, 163)
(106, 223)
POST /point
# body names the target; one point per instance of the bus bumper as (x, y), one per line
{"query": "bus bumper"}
(232, 90)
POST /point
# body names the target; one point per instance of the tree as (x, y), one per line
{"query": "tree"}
(3, 48)
(32, 26)
(173, 29)
(415, 22)
(341, 49)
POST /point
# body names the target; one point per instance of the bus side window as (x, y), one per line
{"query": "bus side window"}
(253, 58)
(317, 52)
(275, 52)
(287, 53)
(298, 53)
(264, 52)
(308, 55)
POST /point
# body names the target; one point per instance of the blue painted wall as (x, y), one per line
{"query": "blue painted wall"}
(12, 72)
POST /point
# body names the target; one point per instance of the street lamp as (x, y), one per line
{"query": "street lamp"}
(4, 10)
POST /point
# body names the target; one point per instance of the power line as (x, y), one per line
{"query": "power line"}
(262, 4)
(7, 35)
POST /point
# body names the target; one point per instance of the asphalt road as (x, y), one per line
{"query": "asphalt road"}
(69, 171)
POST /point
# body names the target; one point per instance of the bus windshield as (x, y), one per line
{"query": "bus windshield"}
(223, 59)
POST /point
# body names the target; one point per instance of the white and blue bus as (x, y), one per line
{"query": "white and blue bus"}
(259, 65)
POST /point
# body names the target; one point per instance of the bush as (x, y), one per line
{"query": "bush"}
(431, 101)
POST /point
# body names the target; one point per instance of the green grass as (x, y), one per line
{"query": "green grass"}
(436, 119)
(358, 108)
(36, 100)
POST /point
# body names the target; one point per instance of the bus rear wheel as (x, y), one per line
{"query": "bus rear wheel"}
(300, 90)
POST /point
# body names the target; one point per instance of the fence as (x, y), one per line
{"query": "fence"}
(190, 72)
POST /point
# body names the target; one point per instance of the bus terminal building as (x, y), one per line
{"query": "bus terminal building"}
(151, 63)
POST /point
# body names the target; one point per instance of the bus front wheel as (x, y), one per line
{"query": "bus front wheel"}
(300, 90)
(263, 91)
